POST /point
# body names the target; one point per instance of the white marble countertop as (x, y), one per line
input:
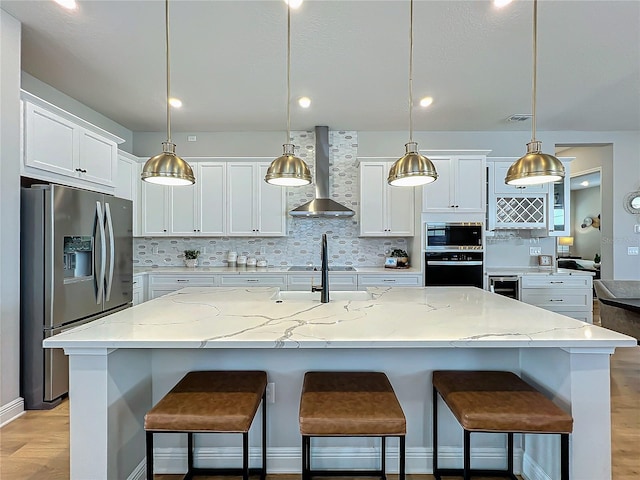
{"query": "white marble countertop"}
(535, 271)
(261, 270)
(391, 318)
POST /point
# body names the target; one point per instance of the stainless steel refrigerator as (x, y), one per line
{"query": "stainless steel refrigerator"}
(76, 266)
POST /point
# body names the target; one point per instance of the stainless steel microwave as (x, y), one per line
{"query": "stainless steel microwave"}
(453, 236)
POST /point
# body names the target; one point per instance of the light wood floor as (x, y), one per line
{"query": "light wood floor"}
(36, 445)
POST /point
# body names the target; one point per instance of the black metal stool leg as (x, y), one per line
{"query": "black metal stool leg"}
(467, 455)
(434, 409)
(383, 457)
(564, 456)
(245, 456)
(401, 475)
(189, 452)
(149, 455)
(263, 475)
(510, 453)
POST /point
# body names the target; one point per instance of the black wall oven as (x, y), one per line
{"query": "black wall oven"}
(454, 255)
(448, 269)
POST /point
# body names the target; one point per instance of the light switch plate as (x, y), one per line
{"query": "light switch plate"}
(633, 250)
(636, 228)
(533, 251)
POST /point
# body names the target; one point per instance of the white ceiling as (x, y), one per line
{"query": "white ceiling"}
(350, 57)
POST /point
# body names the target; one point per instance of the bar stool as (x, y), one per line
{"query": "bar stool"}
(350, 404)
(211, 402)
(494, 401)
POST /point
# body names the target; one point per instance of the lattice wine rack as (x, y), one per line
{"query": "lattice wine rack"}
(520, 212)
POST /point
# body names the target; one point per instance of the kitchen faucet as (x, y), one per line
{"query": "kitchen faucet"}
(324, 288)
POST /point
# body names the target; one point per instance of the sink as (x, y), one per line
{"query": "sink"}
(337, 296)
(302, 268)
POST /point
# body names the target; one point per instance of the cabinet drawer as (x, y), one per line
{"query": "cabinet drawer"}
(390, 280)
(183, 280)
(556, 281)
(558, 300)
(336, 282)
(253, 280)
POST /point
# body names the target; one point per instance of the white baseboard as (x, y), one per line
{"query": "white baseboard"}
(531, 469)
(10, 411)
(288, 460)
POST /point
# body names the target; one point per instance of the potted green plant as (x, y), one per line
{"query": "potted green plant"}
(191, 258)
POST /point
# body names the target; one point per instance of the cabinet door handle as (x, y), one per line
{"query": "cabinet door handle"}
(392, 280)
(560, 281)
(252, 280)
(556, 300)
(182, 280)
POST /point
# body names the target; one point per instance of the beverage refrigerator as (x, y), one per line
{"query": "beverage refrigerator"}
(76, 266)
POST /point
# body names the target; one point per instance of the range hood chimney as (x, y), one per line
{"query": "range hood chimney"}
(322, 205)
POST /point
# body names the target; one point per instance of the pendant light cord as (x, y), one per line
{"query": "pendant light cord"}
(288, 73)
(535, 70)
(411, 74)
(166, 12)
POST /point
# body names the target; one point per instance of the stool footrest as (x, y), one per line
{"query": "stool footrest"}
(459, 472)
(347, 473)
(221, 471)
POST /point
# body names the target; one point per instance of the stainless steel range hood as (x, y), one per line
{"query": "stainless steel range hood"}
(322, 205)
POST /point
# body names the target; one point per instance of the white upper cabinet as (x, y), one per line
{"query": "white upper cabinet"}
(543, 206)
(60, 147)
(127, 184)
(255, 208)
(192, 210)
(155, 209)
(384, 210)
(460, 186)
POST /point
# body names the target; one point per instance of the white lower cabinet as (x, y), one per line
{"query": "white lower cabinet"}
(336, 282)
(161, 284)
(139, 289)
(570, 295)
(389, 280)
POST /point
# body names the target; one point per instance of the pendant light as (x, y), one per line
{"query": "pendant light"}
(535, 167)
(167, 168)
(412, 169)
(288, 170)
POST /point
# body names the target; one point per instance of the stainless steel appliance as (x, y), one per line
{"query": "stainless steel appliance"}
(76, 266)
(447, 269)
(507, 285)
(453, 236)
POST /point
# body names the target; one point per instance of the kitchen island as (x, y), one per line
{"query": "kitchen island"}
(122, 364)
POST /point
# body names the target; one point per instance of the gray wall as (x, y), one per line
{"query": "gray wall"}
(9, 217)
(585, 203)
(46, 92)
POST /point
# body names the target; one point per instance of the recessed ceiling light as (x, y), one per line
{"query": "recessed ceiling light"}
(69, 4)
(584, 184)
(426, 101)
(304, 102)
(175, 102)
(501, 3)
(293, 3)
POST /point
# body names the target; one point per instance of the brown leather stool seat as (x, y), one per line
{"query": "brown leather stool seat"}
(211, 402)
(494, 401)
(350, 404)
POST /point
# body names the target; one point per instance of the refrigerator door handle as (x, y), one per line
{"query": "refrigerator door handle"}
(103, 251)
(112, 250)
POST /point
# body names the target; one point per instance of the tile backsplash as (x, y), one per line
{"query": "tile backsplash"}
(302, 244)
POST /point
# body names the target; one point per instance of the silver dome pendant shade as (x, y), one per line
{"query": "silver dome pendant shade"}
(412, 169)
(288, 170)
(535, 167)
(167, 168)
